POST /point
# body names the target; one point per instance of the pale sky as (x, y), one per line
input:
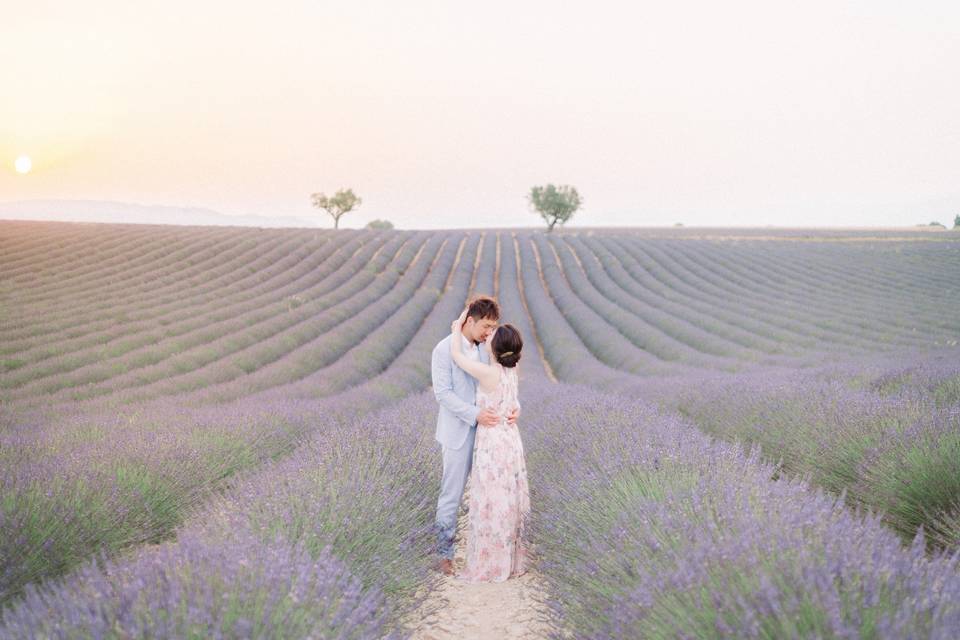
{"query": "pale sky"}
(444, 114)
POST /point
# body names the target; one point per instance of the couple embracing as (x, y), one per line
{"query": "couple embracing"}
(474, 372)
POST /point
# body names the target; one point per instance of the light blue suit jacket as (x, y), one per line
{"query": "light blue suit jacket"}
(456, 391)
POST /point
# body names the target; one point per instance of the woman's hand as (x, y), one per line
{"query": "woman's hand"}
(457, 324)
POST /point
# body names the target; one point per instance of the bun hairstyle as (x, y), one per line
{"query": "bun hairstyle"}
(506, 345)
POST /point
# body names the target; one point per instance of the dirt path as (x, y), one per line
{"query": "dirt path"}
(499, 610)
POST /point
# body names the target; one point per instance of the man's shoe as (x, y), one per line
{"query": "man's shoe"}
(446, 566)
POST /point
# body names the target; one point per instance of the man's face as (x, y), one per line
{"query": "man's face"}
(479, 330)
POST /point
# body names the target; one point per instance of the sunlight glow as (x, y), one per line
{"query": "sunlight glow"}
(23, 164)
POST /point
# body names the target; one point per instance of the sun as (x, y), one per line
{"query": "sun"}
(23, 164)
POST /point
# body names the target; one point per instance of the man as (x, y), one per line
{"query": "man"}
(459, 417)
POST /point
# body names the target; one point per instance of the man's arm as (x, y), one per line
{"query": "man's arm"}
(441, 372)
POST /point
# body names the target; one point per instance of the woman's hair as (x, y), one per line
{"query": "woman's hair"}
(506, 345)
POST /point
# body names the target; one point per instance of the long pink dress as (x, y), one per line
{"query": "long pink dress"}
(499, 495)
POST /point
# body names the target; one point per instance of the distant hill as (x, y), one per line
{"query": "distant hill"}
(125, 212)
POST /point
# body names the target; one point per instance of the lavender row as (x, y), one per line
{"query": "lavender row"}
(161, 322)
(67, 244)
(141, 249)
(84, 259)
(388, 321)
(743, 297)
(608, 346)
(231, 356)
(102, 482)
(376, 352)
(513, 309)
(409, 373)
(333, 541)
(668, 338)
(829, 318)
(827, 299)
(566, 355)
(656, 288)
(157, 287)
(211, 353)
(483, 279)
(406, 375)
(64, 471)
(842, 295)
(872, 269)
(23, 244)
(644, 527)
(199, 254)
(746, 301)
(885, 435)
(684, 317)
(233, 275)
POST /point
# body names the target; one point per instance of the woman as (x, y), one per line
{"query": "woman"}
(499, 495)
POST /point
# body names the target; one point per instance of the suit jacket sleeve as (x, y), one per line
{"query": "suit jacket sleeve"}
(441, 371)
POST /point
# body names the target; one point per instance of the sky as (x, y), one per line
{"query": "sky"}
(445, 114)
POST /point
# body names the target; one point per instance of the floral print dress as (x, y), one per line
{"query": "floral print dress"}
(499, 500)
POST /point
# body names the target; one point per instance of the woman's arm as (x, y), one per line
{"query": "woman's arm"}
(484, 373)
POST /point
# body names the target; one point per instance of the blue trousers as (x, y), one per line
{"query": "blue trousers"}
(456, 469)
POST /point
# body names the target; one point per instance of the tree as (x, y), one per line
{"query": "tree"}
(380, 224)
(343, 201)
(956, 222)
(555, 204)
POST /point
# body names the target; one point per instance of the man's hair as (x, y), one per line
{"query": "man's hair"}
(483, 308)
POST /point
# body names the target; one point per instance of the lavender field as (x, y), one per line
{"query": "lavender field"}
(228, 432)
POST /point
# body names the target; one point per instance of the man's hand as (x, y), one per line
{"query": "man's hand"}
(513, 415)
(487, 418)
